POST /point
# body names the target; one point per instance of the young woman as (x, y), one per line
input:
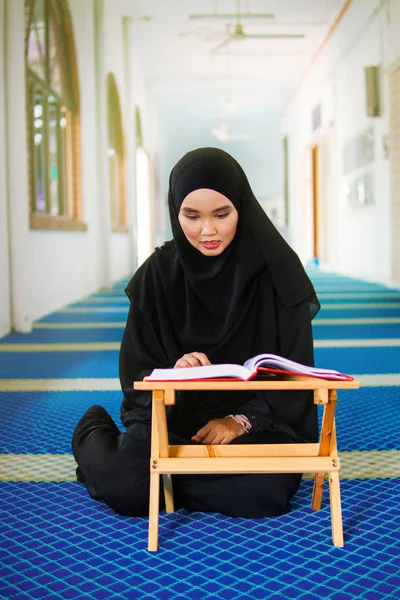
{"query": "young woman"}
(227, 287)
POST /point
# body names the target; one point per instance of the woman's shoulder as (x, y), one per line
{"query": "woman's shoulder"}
(166, 251)
(160, 261)
(162, 255)
(162, 258)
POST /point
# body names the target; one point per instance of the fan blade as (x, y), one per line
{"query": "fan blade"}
(227, 41)
(230, 16)
(202, 34)
(274, 36)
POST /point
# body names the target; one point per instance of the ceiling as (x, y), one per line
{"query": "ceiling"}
(244, 77)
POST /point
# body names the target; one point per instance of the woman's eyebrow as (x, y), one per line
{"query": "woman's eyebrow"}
(221, 208)
(187, 209)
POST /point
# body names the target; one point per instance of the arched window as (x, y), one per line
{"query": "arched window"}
(53, 117)
(116, 157)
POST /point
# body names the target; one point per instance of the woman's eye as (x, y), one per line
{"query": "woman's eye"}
(222, 215)
(192, 217)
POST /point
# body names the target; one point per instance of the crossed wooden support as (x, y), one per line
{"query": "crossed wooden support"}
(318, 458)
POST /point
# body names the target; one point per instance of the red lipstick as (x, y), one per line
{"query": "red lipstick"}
(210, 245)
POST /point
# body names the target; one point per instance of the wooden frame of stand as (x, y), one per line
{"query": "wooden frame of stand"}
(318, 458)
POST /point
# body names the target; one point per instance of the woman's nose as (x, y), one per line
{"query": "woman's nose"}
(209, 228)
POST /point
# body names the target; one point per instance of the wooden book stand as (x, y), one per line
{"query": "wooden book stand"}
(318, 458)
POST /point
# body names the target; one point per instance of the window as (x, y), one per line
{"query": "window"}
(116, 157)
(53, 117)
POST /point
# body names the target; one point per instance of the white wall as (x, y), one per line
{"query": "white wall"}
(358, 226)
(71, 269)
(16, 166)
(366, 36)
(5, 318)
(122, 257)
(50, 269)
(152, 135)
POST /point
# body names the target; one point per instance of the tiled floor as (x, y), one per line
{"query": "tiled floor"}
(55, 542)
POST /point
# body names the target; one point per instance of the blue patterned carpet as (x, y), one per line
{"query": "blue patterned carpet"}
(56, 542)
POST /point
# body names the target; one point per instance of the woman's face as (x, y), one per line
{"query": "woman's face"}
(209, 221)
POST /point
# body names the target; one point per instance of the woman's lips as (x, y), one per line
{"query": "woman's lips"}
(210, 245)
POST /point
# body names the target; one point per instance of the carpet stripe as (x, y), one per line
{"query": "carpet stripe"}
(361, 321)
(111, 309)
(73, 347)
(105, 346)
(361, 295)
(61, 467)
(356, 343)
(363, 305)
(95, 325)
(95, 384)
(60, 385)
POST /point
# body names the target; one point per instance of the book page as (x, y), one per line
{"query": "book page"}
(204, 372)
(278, 362)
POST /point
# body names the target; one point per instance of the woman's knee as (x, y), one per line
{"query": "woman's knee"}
(95, 420)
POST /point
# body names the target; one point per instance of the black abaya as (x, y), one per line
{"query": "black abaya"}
(115, 468)
(254, 297)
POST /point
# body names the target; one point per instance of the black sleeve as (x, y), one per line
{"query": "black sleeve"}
(292, 412)
(140, 353)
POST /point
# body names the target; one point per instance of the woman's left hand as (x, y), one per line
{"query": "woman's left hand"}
(219, 431)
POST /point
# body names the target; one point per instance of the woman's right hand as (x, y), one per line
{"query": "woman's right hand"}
(193, 359)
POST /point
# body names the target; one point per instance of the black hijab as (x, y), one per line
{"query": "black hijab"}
(226, 306)
(206, 295)
(257, 243)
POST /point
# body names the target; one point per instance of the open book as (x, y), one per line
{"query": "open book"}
(260, 365)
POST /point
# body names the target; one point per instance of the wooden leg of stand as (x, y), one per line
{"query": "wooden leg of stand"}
(319, 480)
(168, 493)
(154, 507)
(328, 424)
(154, 511)
(336, 510)
(161, 419)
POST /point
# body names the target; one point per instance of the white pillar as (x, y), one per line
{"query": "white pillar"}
(5, 290)
(17, 171)
(103, 179)
(130, 145)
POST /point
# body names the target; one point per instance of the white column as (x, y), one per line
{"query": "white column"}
(130, 145)
(103, 179)
(16, 163)
(5, 290)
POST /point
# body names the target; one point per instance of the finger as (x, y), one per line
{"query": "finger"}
(192, 360)
(181, 364)
(201, 433)
(211, 438)
(202, 358)
(187, 361)
(229, 438)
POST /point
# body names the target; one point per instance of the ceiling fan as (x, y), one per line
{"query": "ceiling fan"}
(237, 33)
